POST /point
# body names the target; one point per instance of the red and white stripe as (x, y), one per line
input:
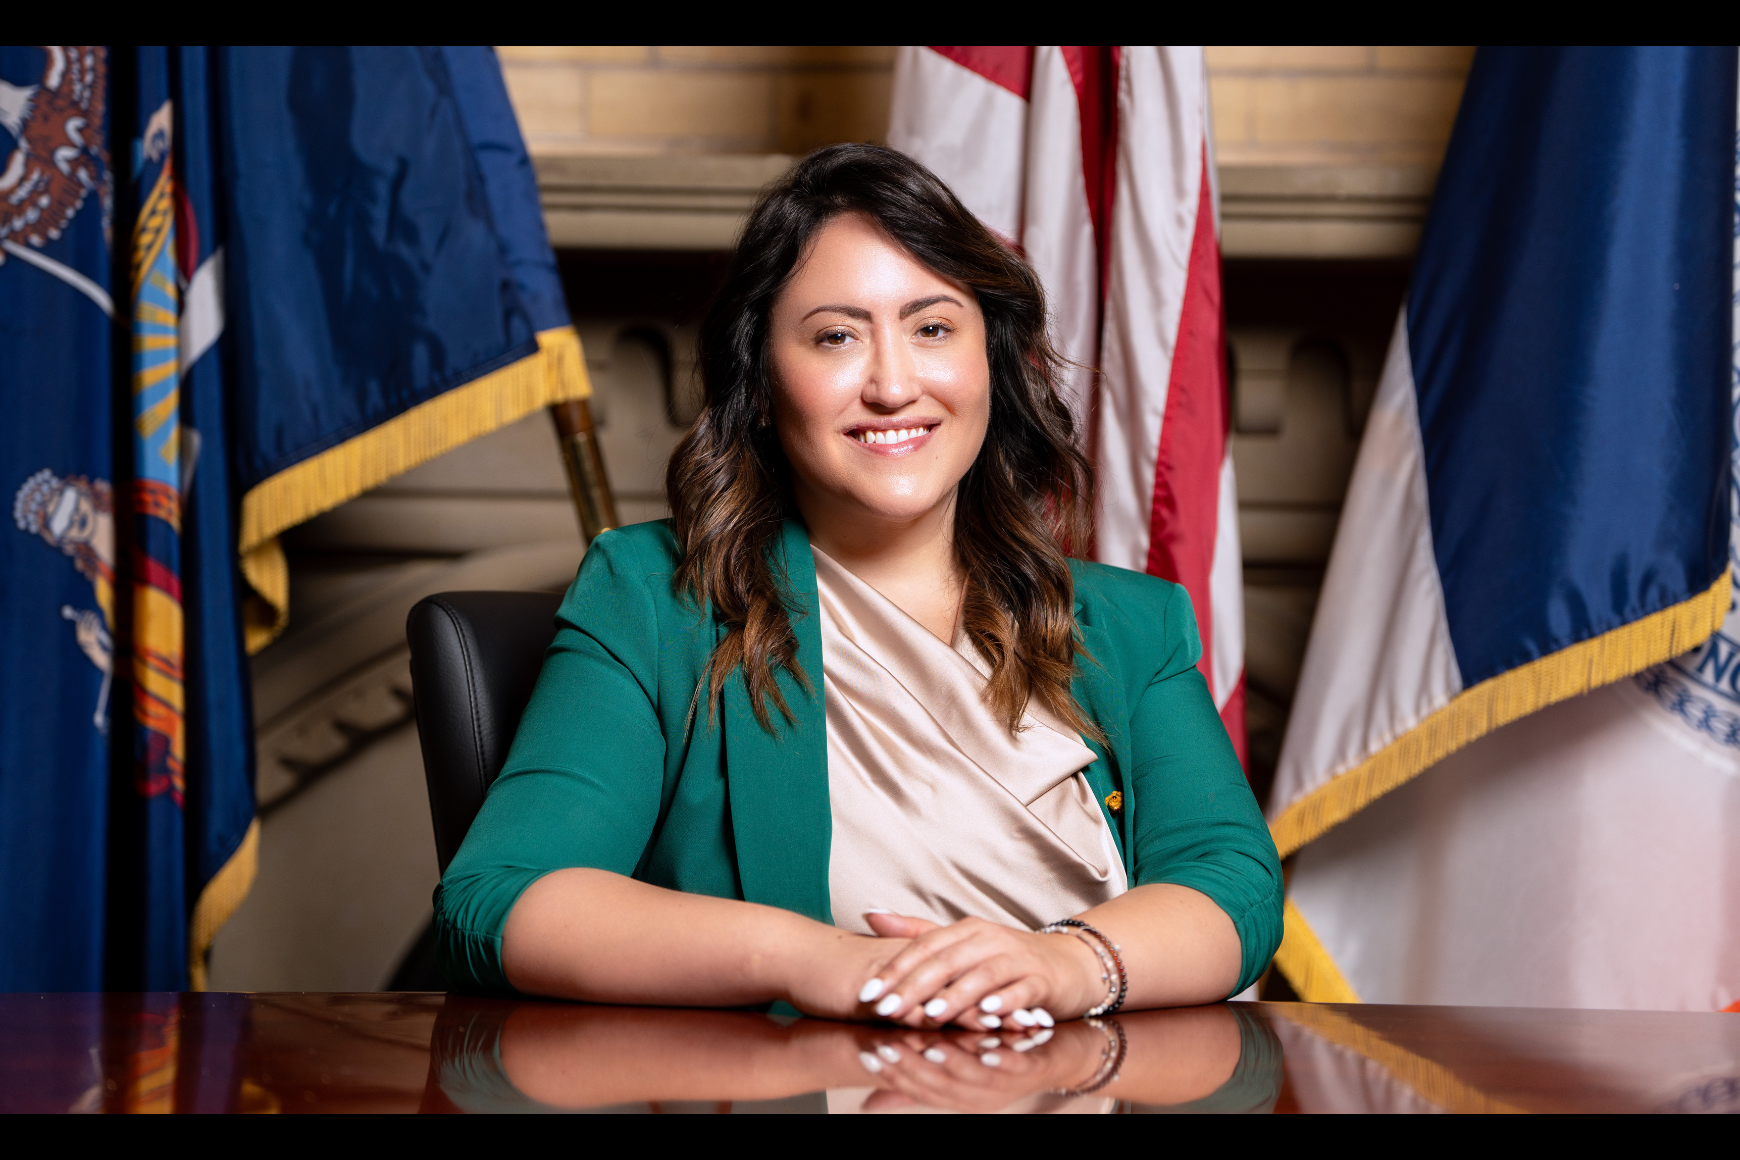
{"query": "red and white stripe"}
(1096, 162)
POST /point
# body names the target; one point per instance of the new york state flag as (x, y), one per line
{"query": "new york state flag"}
(1512, 772)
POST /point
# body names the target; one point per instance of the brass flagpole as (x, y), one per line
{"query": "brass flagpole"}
(581, 455)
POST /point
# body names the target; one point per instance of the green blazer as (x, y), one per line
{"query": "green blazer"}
(609, 770)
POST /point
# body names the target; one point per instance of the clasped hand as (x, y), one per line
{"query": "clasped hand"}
(973, 973)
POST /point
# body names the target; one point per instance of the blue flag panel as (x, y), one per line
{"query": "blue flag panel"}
(509, 181)
(149, 915)
(1568, 325)
(57, 551)
(220, 807)
(356, 195)
(215, 263)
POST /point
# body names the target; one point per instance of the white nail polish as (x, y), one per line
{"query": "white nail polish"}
(889, 1052)
(991, 1059)
(870, 1062)
(989, 1042)
(936, 1007)
(877, 910)
(1043, 1035)
(1044, 1017)
(991, 1003)
(935, 1055)
(871, 989)
(888, 1005)
(1023, 1017)
(990, 1021)
(1024, 1045)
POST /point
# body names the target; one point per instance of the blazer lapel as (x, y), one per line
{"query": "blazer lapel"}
(1098, 692)
(778, 782)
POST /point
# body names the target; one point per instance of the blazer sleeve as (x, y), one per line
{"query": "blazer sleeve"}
(582, 782)
(1197, 823)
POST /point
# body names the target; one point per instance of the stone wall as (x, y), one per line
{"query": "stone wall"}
(1272, 104)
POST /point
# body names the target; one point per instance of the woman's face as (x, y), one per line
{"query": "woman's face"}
(882, 389)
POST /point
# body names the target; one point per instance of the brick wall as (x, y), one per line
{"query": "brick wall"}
(1282, 104)
(1288, 104)
(698, 98)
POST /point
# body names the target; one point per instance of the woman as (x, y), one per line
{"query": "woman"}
(851, 727)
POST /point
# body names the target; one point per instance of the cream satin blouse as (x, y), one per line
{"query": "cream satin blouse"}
(938, 811)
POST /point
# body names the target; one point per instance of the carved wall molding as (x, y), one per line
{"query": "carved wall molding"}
(683, 202)
(1300, 396)
(340, 676)
(347, 854)
(1323, 211)
(339, 682)
(327, 731)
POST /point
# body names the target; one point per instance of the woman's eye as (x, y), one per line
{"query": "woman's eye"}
(934, 330)
(835, 337)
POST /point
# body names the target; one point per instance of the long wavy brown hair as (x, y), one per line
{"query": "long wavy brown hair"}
(1021, 509)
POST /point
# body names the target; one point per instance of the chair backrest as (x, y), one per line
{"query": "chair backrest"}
(474, 659)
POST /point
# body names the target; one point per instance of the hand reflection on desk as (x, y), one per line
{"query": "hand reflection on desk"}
(214, 1052)
(491, 1055)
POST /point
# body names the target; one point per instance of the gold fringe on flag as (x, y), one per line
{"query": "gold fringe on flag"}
(1475, 712)
(220, 898)
(1470, 715)
(1307, 966)
(1433, 1081)
(555, 374)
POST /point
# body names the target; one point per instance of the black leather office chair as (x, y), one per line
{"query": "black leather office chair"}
(474, 659)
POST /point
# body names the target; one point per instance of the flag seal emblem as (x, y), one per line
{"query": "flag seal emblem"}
(76, 515)
(58, 159)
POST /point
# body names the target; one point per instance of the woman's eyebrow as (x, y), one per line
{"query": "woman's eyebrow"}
(863, 315)
(857, 312)
(918, 304)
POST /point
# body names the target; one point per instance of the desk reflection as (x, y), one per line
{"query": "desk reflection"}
(504, 1057)
(453, 1053)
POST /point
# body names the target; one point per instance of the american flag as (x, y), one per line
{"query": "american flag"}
(1097, 163)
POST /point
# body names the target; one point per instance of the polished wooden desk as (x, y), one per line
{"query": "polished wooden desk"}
(450, 1053)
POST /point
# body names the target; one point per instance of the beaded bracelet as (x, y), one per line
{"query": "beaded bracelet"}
(1111, 1058)
(1116, 988)
(1108, 974)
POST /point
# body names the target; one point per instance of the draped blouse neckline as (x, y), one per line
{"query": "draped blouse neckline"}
(939, 809)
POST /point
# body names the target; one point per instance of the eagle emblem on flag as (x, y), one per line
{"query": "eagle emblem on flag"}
(58, 158)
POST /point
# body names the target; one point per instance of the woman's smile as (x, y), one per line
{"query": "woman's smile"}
(887, 441)
(868, 342)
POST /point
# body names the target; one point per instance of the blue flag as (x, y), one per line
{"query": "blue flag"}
(1539, 510)
(284, 275)
(58, 591)
(386, 198)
